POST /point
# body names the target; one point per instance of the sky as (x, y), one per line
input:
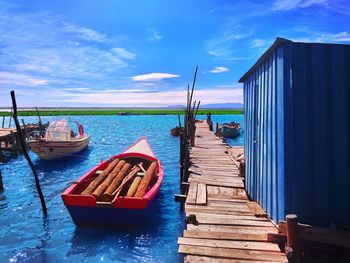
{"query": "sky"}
(133, 53)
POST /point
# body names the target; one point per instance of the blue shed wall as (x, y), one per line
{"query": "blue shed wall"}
(264, 136)
(297, 133)
(318, 113)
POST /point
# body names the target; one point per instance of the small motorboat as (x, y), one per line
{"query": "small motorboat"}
(117, 191)
(59, 141)
(229, 130)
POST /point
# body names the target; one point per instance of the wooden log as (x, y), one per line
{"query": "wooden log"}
(133, 187)
(146, 180)
(100, 178)
(108, 197)
(111, 183)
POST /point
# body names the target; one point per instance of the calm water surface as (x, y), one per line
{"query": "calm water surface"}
(26, 237)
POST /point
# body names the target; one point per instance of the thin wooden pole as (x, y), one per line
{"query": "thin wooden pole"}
(1, 184)
(40, 122)
(10, 118)
(26, 155)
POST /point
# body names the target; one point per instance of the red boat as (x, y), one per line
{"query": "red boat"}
(118, 190)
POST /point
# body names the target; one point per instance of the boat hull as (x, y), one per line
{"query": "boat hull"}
(229, 132)
(86, 210)
(105, 216)
(48, 150)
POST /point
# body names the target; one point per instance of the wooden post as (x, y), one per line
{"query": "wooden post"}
(25, 129)
(10, 118)
(1, 184)
(3, 122)
(40, 122)
(193, 132)
(293, 246)
(26, 155)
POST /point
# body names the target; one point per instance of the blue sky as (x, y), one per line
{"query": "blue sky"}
(143, 53)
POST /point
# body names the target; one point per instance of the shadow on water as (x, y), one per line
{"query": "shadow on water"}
(88, 241)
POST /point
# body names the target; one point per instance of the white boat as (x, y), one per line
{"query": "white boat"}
(59, 141)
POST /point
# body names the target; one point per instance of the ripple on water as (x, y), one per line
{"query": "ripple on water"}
(26, 237)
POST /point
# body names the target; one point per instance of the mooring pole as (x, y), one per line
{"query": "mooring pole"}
(26, 155)
(40, 122)
(1, 184)
(10, 118)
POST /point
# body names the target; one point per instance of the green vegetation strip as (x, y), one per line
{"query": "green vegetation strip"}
(118, 112)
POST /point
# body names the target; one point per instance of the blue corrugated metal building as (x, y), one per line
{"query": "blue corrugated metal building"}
(297, 132)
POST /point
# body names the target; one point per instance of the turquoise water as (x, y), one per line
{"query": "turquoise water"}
(25, 236)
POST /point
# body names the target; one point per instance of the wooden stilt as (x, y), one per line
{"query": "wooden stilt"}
(1, 184)
(26, 155)
(293, 246)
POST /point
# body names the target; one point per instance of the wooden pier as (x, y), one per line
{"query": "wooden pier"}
(222, 224)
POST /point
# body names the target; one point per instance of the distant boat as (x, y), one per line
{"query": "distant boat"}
(59, 141)
(126, 113)
(229, 130)
(117, 191)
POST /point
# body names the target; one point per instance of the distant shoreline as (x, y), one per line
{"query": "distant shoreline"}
(112, 111)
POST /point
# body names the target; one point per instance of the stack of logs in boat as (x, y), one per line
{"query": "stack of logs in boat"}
(121, 178)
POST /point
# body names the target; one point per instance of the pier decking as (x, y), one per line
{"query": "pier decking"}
(222, 224)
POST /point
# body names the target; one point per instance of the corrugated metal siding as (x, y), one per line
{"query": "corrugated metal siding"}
(264, 135)
(297, 132)
(319, 179)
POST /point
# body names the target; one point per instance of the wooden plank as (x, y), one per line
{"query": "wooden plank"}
(203, 259)
(236, 217)
(233, 253)
(192, 194)
(227, 221)
(216, 178)
(201, 194)
(208, 182)
(256, 209)
(217, 209)
(213, 210)
(233, 229)
(251, 245)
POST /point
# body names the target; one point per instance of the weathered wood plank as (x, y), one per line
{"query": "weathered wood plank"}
(238, 208)
(233, 253)
(201, 194)
(233, 229)
(217, 178)
(192, 194)
(203, 259)
(236, 217)
(209, 182)
(251, 245)
(227, 221)
(256, 209)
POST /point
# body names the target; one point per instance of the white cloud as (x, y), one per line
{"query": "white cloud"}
(154, 76)
(257, 43)
(9, 78)
(155, 99)
(219, 70)
(123, 53)
(84, 33)
(61, 53)
(284, 5)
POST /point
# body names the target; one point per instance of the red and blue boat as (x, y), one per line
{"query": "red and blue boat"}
(118, 191)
